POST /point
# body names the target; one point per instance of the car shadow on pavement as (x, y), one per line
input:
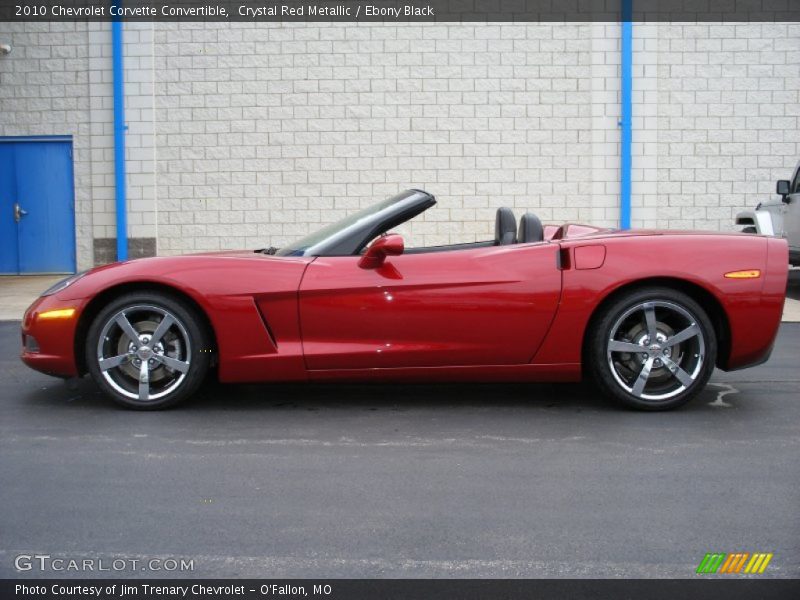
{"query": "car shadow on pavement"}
(215, 396)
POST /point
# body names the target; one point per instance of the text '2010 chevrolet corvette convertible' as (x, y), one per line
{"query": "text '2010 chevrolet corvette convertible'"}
(646, 314)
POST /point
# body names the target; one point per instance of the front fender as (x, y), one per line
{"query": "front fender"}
(250, 300)
(762, 220)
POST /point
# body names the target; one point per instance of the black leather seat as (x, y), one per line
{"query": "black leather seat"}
(505, 227)
(530, 229)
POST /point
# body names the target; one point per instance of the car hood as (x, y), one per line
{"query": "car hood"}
(160, 261)
(234, 272)
(231, 254)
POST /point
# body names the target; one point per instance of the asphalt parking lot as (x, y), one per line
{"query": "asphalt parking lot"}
(403, 481)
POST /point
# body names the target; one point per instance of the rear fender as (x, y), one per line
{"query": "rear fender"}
(752, 309)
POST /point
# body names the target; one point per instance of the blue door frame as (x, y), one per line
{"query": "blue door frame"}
(37, 205)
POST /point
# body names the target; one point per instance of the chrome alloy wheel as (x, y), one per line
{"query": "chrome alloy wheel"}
(656, 350)
(143, 352)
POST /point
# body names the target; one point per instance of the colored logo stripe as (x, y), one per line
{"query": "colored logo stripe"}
(721, 562)
(734, 562)
(711, 562)
(758, 564)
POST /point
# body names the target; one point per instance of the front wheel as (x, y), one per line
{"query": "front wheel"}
(652, 349)
(147, 350)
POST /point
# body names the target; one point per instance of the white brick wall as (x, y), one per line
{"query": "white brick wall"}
(267, 131)
(727, 118)
(244, 135)
(140, 115)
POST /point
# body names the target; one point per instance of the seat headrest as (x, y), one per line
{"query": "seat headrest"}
(505, 227)
(530, 229)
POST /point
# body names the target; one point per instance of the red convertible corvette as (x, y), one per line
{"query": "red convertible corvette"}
(646, 314)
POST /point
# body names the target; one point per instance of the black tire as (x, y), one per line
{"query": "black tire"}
(620, 326)
(176, 364)
(749, 229)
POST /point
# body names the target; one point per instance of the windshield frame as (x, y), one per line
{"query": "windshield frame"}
(349, 235)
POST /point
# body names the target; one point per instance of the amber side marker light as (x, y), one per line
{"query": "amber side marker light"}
(60, 313)
(748, 274)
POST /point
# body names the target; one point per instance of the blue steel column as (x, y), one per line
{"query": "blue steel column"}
(119, 140)
(626, 82)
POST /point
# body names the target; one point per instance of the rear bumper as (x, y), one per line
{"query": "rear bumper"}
(754, 318)
(52, 347)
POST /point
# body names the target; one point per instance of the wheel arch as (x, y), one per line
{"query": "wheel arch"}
(101, 299)
(709, 303)
(747, 217)
(760, 219)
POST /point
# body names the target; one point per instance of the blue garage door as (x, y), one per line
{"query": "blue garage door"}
(37, 206)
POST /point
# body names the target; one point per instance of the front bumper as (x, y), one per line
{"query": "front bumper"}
(54, 337)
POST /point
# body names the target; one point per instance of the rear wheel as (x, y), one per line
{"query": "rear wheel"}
(652, 349)
(147, 350)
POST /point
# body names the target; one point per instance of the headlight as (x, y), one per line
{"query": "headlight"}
(54, 289)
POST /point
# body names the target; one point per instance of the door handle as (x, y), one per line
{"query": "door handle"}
(19, 212)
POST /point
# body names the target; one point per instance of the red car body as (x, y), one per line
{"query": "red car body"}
(516, 312)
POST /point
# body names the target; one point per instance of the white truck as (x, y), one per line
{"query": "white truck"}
(780, 218)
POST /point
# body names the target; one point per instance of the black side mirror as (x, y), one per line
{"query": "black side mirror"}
(782, 189)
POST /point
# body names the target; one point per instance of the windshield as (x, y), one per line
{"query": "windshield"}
(301, 246)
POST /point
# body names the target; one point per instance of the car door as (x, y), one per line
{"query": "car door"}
(483, 306)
